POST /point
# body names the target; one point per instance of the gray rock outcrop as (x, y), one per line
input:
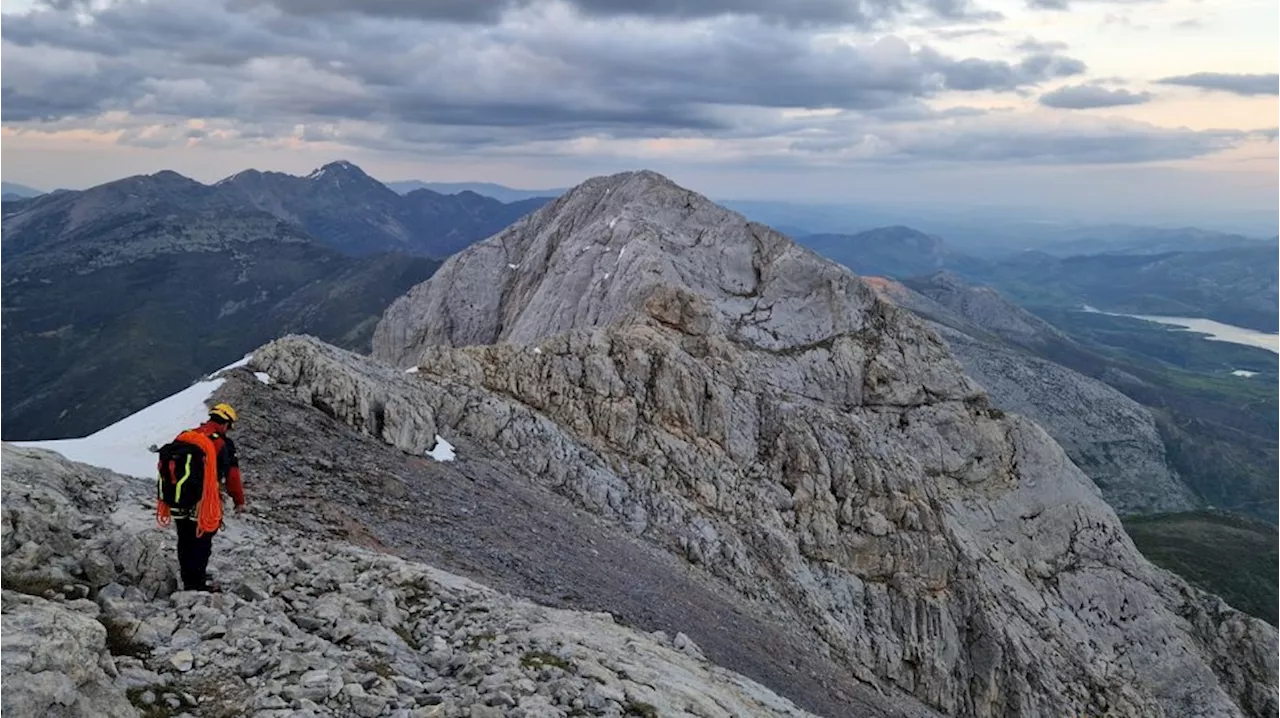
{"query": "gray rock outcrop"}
(759, 411)
(984, 307)
(53, 657)
(1111, 437)
(305, 627)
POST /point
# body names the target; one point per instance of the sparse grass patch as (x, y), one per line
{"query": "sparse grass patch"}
(380, 666)
(476, 642)
(1230, 555)
(407, 636)
(158, 707)
(32, 584)
(640, 709)
(541, 659)
(120, 639)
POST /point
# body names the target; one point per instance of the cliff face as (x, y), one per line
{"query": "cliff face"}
(758, 411)
(1111, 437)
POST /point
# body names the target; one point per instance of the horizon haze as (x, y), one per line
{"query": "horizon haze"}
(1068, 109)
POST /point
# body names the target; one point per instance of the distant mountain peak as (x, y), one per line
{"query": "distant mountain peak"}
(499, 192)
(162, 180)
(338, 168)
(623, 248)
(238, 177)
(348, 209)
(15, 190)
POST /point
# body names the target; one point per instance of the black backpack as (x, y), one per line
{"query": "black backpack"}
(181, 469)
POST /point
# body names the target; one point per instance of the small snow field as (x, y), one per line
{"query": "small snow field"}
(443, 450)
(123, 446)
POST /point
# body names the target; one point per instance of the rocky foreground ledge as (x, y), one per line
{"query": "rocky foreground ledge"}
(92, 626)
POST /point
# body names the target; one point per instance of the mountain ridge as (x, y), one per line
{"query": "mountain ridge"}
(135, 284)
(359, 215)
(724, 377)
(13, 190)
(1112, 438)
(661, 368)
(338, 204)
(497, 191)
(116, 296)
(301, 623)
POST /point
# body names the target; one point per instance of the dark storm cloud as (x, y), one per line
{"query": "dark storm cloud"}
(480, 82)
(1239, 84)
(22, 107)
(1083, 97)
(199, 60)
(45, 84)
(973, 74)
(461, 11)
(795, 13)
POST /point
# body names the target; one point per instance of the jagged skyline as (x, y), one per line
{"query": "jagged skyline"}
(1083, 105)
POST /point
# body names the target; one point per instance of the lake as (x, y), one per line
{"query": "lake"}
(1216, 331)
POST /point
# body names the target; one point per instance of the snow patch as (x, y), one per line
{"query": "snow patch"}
(537, 350)
(411, 370)
(443, 451)
(513, 266)
(122, 447)
(232, 178)
(613, 222)
(606, 275)
(234, 365)
(263, 377)
(317, 174)
(1244, 373)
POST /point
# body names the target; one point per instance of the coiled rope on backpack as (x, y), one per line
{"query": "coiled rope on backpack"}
(209, 509)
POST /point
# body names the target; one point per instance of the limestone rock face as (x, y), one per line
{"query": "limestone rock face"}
(51, 662)
(597, 256)
(308, 627)
(57, 507)
(1111, 437)
(760, 412)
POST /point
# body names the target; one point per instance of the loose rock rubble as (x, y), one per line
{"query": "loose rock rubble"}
(301, 628)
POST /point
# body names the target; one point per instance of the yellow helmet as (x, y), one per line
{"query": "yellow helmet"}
(224, 412)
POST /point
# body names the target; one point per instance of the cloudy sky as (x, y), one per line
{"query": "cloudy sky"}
(1066, 104)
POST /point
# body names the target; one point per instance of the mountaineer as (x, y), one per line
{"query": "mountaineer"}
(192, 469)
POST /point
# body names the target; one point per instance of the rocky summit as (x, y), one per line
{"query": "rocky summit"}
(758, 411)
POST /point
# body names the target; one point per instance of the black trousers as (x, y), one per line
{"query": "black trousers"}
(193, 554)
